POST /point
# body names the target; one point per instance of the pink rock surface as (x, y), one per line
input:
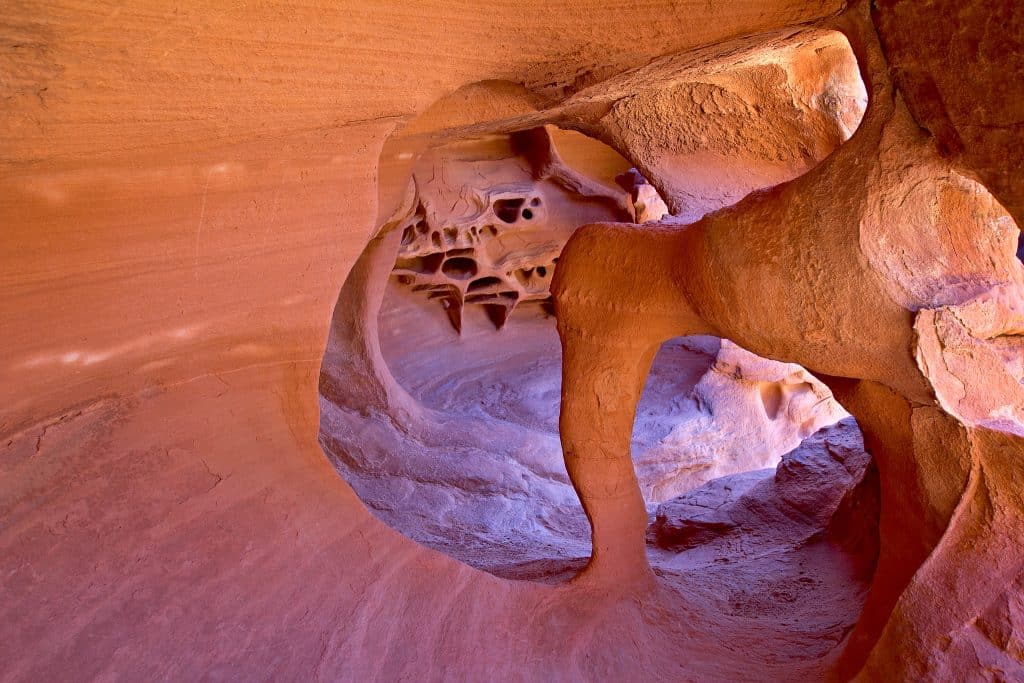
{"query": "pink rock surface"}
(184, 190)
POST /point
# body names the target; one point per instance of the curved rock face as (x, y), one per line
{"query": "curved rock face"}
(709, 130)
(184, 190)
(468, 461)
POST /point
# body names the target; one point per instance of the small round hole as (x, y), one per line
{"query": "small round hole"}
(527, 214)
(460, 268)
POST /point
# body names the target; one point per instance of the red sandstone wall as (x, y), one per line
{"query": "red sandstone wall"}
(182, 192)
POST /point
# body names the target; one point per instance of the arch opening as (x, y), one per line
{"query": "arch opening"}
(463, 450)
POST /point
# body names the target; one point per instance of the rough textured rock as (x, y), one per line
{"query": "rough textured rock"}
(742, 414)
(184, 190)
(941, 68)
(491, 217)
(809, 497)
(715, 127)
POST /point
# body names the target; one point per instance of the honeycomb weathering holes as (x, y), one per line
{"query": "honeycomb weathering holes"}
(481, 231)
(460, 268)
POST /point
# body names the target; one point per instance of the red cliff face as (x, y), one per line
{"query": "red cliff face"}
(258, 424)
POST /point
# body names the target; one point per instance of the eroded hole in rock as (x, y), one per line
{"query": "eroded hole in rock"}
(757, 485)
(508, 210)
(488, 486)
(460, 268)
(469, 461)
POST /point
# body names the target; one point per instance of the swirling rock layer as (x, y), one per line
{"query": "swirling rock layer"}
(184, 188)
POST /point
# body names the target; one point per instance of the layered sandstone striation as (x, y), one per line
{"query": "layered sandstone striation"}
(185, 191)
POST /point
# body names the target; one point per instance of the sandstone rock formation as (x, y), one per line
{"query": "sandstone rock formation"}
(840, 297)
(746, 412)
(184, 190)
(487, 228)
(815, 494)
(485, 214)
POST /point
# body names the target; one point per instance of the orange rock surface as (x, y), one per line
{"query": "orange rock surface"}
(202, 207)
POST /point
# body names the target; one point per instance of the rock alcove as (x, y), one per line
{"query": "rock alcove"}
(186, 188)
(754, 478)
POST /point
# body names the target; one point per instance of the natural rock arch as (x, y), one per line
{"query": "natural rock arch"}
(353, 345)
(790, 274)
(185, 188)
